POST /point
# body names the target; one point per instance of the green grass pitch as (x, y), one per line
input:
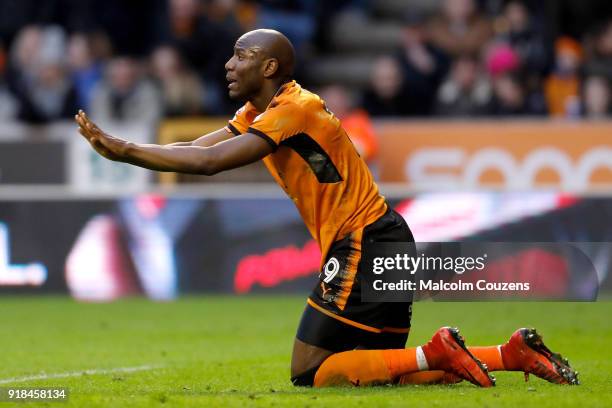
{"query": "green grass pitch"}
(235, 351)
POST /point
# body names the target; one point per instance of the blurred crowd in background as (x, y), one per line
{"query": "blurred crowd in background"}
(127, 60)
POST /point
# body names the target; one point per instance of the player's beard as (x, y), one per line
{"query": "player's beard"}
(246, 90)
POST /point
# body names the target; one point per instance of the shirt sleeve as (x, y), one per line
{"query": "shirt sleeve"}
(278, 123)
(239, 123)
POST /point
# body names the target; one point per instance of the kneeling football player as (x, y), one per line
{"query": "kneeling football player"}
(340, 339)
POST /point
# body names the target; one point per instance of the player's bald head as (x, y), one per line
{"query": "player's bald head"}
(271, 44)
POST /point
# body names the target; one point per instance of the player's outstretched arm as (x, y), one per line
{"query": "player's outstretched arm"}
(231, 153)
(207, 140)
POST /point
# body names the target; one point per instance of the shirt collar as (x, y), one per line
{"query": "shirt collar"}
(282, 89)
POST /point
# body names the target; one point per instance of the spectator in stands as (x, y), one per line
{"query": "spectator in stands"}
(509, 97)
(124, 95)
(385, 95)
(521, 31)
(131, 26)
(501, 59)
(355, 120)
(294, 18)
(38, 77)
(86, 71)
(596, 97)
(20, 66)
(518, 29)
(424, 66)
(8, 103)
(25, 49)
(459, 29)
(466, 92)
(562, 87)
(201, 40)
(181, 90)
(512, 83)
(183, 25)
(599, 59)
(203, 32)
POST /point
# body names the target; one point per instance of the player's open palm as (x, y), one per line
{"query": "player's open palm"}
(108, 146)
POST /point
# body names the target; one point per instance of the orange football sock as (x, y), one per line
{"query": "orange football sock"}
(490, 355)
(357, 367)
(422, 377)
(404, 361)
(367, 367)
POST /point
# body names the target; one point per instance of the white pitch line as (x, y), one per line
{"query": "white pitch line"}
(94, 371)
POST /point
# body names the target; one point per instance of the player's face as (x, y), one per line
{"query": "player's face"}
(244, 71)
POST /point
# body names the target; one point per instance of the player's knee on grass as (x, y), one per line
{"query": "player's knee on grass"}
(306, 379)
(305, 361)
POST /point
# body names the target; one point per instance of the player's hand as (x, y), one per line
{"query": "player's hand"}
(108, 146)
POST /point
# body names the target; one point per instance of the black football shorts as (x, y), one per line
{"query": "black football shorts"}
(335, 318)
